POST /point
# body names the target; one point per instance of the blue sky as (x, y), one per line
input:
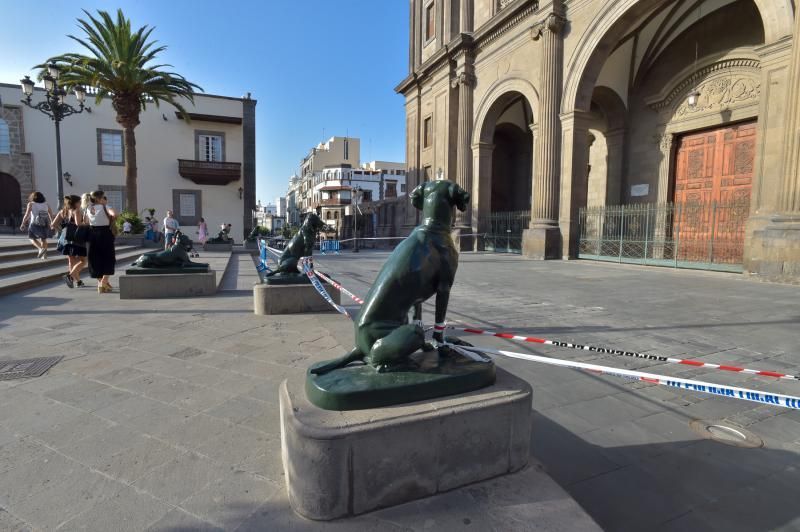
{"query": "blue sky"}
(311, 64)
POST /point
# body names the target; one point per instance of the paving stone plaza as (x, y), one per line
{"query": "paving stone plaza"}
(163, 414)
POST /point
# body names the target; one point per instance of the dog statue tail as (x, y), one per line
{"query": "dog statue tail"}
(352, 356)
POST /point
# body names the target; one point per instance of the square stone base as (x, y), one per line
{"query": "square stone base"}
(291, 299)
(159, 286)
(347, 463)
(775, 251)
(541, 243)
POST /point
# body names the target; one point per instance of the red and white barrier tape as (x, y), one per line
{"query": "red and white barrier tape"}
(745, 394)
(308, 269)
(632, 354)
(340, 288)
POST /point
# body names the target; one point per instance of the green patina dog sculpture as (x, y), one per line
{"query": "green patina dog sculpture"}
(174, 258)
(301, 245)
(422, 265)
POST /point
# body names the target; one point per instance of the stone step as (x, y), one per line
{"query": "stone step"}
(54, 258)
(25, 250)
(16, 282)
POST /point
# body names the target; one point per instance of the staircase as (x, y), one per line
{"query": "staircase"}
(20, 269)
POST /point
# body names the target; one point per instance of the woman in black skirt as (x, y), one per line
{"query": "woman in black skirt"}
(101, 240)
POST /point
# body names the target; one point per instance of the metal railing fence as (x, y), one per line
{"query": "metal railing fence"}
(693, 235)
(504, 234)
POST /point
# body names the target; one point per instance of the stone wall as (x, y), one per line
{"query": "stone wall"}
(18, 164)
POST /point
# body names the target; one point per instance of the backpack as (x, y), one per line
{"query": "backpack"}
(42, 219)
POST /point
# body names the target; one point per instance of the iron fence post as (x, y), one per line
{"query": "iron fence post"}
(646, 229)
(621, 230)
(677, 210)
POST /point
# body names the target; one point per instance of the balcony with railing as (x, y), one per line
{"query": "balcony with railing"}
(209, 172)
(334, 202)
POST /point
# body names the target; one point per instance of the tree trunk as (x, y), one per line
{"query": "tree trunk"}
(131, 199)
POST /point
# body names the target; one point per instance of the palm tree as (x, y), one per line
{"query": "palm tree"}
(118, 66)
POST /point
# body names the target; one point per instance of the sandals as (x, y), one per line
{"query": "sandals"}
(68, 281)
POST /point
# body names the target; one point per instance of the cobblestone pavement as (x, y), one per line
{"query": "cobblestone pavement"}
(163, 416)
(624, 450)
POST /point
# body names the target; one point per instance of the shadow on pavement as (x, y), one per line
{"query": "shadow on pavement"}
(675, 485)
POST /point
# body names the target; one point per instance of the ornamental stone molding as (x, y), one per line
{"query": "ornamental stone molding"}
(553, 23)
(502, 4)
(738, 69)
(721, 93)
(463, 78)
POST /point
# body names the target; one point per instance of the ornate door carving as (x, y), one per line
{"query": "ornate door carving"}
(713, 180)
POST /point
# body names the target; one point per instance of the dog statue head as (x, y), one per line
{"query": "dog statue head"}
(436, 200)
(313, 222)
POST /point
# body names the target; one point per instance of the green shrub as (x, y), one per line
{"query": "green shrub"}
(133, 218)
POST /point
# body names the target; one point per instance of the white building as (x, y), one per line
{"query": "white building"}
(202, 168)
(280, 203)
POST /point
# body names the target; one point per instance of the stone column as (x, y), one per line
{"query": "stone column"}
(481, 190)
(615, 145)
(574, 185)
(542, 239)
(466, 12)
(665, 143)
(777, 256)
(465, 82)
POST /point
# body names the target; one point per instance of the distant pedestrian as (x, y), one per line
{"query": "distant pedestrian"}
(202, 231)
(71, 213)
(126, 227)
(171, 226)
(102, 257)
(38, 217)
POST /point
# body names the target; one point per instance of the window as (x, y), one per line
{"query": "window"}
(402, 187)
(109, 147)
(210, 148)
(115, 195)
(187, 206)
(426, 132)
(366, 195)
(5, 138)
(327, 215)
(391, 189)
(426, 173)
(430, 27)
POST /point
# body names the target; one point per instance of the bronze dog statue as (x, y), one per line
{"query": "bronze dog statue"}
(422, 265)
(177, 256)
(301, 245)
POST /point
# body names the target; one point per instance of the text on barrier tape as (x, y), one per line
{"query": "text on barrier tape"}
(633, 354)
(340, 288)
(734, 392)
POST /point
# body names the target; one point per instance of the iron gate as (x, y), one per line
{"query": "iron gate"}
(505, 229)
(708, 236)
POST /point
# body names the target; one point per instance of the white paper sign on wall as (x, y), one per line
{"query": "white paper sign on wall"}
(642, 189)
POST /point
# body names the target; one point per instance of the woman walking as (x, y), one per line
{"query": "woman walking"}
(102, 258)
(202, 231)
(38, 216)
(76, 254)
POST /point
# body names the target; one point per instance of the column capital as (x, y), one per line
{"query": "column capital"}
(533, 127)
(553, 23)
(664, 140)
(482, 147)
(464, 78)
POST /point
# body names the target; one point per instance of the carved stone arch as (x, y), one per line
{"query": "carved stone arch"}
(729, 86)
(615, 20)
(491, 105)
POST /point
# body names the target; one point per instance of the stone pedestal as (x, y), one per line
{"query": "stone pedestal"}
(541, 243)
(291, 299)
(347, 463)
(159, 286)
(251, 245)
(776, 251)
(217, 247)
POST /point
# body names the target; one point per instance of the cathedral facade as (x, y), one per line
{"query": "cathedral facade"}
(656, 131)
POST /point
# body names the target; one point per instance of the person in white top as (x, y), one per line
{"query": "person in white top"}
(38, 216)
(102, 258)
(126, 227)
(171, 227)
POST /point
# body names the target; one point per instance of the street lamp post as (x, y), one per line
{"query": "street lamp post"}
(54, 107)
(354, 192)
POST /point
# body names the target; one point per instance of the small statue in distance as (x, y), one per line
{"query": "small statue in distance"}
(174, 258)
(301, 245)
(223, 237)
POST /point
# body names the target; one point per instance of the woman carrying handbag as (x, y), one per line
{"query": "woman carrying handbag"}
(70, 218)
(102, 257)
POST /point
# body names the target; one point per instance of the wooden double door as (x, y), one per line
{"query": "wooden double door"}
(713, 181)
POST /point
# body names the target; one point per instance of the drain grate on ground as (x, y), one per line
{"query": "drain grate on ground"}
(21, 369)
